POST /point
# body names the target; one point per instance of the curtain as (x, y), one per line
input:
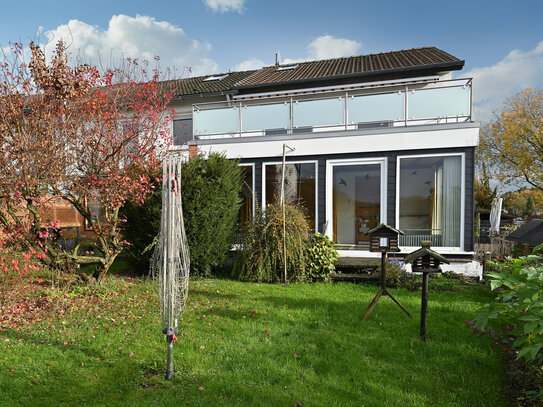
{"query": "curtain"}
(451, 201)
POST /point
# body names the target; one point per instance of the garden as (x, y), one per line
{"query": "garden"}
(80, 322)
(246, 344)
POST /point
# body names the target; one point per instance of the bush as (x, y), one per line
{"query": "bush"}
(260, 256)
(211, 189)
(140, 229)
(321, 258)
(211, 194)
(516, 318)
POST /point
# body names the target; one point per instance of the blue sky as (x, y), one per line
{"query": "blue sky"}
(502, 42)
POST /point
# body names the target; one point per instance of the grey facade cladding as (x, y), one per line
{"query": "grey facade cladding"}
(391, 157)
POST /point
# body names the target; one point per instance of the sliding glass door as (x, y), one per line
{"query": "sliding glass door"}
(357, 200)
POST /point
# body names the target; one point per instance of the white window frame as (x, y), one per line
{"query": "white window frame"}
(330, 164)
(294, 162)
(462, 197)
(253, 186)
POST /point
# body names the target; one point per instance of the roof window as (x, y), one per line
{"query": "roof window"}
(213, 78)
(287, 67)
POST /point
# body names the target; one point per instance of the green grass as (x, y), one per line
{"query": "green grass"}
(253, 345)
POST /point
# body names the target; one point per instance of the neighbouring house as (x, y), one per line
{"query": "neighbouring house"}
(381, 138)
(529, 234)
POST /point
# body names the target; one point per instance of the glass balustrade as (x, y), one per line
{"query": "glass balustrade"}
(439, 102)
(265, 117)
(316, 113)
(376, 108)
(216, 121)
(424, 105)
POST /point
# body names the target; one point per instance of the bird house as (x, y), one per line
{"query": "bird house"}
(425, 260)
(384, 238)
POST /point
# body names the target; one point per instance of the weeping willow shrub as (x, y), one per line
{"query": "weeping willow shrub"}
(260, 255)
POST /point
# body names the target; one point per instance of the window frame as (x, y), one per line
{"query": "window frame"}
(253, 186)
(315, 162)
(330, 164)
(462, 197)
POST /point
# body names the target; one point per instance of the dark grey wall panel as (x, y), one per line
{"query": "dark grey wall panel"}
(391, 182)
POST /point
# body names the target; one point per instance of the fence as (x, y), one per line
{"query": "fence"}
(498, 247)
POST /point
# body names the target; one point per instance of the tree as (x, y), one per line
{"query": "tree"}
(530, 206)
(211, 189)
(512, 143)
(483, 193)
(75, 135)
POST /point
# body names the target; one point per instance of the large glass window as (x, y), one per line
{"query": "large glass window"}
(430, 200)
(246, 208)
(300, 182)
(356, 206)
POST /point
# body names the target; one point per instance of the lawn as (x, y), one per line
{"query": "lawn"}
(244, 344)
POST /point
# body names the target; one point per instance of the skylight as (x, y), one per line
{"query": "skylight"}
(287, 67)
(215, 78)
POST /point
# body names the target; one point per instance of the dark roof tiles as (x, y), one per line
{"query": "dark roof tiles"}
(372, 63)
(198, 85)
(328, 69)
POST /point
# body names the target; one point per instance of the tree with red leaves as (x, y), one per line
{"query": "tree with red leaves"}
(75, 135)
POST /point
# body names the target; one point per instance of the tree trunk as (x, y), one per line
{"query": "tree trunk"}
(102, 269)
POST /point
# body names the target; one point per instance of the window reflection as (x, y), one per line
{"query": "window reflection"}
(430, 200)
(356, 202)
(299, 186)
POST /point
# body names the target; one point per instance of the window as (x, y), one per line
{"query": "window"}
(430, 200)
(300, 186)
(286, 67)
(182, 131)
(214, 78)
(356, 206)
(247, 201)
(97, 211)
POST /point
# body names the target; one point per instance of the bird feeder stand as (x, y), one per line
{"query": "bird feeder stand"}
(384, 239)
(427, 262)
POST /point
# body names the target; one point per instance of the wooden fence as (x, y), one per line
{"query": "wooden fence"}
(498, 247)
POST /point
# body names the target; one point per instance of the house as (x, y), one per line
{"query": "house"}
(530, 234)
(381, 138)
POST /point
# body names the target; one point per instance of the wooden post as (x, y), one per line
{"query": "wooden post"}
(424, 306)
(383, 270)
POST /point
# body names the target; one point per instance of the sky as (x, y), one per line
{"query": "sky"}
(501, 41)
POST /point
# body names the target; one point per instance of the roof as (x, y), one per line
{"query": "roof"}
(382, 227)
(530, 233)
(198, 85)
(416, 59)
(425, 251)
(409, 62)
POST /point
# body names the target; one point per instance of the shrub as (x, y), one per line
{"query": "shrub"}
(260, 256)
(517, 315)
(211, 189)
(140, 229)
(321, 258)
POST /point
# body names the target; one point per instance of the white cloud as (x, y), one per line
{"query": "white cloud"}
(327, 46)
(493, 84)
(140, 37)
(225, 5)
(248, 64)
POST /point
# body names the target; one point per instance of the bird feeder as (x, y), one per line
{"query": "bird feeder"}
(425, 261)
(384, 239)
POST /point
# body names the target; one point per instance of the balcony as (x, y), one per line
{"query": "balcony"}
(384, 106)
